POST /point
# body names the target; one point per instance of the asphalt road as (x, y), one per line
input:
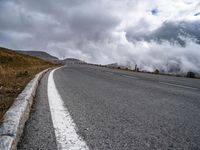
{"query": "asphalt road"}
(119, 110)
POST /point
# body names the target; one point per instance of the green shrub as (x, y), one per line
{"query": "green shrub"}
(156, 71)
(4, 59)
(190, 74)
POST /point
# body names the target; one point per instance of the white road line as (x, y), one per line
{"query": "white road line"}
(65, 129)
(130, 77)
(177, 85)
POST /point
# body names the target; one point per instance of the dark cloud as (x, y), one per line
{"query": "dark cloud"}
(93, 26)
(174, 32)
(154, 11)
(197, 14)
(49, 22)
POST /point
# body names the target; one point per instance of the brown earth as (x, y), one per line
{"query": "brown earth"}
(16, 70)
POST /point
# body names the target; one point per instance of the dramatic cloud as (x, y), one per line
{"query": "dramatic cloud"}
(174, 32)
(162, 34)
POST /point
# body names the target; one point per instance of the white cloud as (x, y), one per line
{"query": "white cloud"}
(97, 30)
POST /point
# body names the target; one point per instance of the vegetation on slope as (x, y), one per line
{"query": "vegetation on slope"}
(16, 70)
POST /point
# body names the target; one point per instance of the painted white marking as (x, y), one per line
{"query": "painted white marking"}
(177, 85)
(65, 129)
(130, 77)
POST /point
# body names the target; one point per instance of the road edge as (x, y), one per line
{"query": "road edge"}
(15, 118)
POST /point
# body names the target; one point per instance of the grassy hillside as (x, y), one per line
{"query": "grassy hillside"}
(16, 70)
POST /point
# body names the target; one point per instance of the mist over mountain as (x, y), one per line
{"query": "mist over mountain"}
(173, 32)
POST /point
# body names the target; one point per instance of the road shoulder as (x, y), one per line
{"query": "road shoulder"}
(39, 131)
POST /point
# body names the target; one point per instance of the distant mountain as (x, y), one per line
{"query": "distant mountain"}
(73, 61)
(116, 65)
(40, 54)
(113, 65)
(197, 14)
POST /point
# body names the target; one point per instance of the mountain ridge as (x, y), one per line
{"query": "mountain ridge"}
(40, 54)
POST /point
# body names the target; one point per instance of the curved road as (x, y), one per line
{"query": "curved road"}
(107, 109)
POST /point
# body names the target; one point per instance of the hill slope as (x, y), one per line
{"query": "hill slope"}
(72, 61)
(16, 70)
(40, 54)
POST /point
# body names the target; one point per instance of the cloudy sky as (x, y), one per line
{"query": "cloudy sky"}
(163, 34)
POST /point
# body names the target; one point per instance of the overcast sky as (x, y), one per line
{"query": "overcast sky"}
(161, 34)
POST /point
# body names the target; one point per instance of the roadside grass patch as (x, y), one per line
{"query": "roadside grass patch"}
(16, 70)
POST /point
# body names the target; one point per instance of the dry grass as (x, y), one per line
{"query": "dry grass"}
(16, 70)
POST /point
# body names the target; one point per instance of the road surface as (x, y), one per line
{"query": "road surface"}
(90, 107)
